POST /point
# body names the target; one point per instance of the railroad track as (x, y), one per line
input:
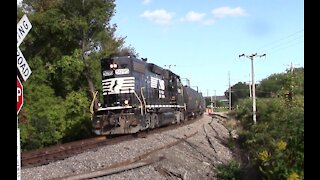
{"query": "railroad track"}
(139, 161)
(219, 114)
(44, 156)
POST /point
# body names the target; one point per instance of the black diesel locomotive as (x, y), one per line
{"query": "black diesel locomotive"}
(138, 95)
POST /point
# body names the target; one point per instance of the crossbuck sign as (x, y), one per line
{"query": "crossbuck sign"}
(23, 27)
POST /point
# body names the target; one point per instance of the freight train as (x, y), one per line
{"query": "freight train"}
(138, 95)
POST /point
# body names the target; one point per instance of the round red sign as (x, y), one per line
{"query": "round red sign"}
(19, 95)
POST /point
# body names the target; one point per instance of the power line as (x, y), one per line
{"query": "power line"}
(284, 43)
(281, 48)
(278, 40)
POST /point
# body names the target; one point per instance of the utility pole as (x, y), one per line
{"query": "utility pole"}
(254, 117)
(215, 99)
(250, 92)
(211, 104)
(290, 94)
(229, 93)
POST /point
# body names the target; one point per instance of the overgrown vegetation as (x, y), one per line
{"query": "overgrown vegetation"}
(231, 171)
(275, 144)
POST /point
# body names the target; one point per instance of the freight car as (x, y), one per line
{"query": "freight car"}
(138, 95)
(195, 103)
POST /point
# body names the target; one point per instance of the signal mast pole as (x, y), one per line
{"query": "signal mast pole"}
(254, 117)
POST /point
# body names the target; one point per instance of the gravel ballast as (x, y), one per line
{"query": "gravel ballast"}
(194, 158)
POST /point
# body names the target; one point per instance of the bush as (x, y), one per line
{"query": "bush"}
(230, 171)
(44, 116)
(276, 141)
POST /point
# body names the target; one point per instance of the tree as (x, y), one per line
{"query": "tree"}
(282, 83)
(238, 91)
(271, 85)
(64, 48)
(60, 27)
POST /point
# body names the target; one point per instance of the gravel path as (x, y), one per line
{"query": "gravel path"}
(192, 159)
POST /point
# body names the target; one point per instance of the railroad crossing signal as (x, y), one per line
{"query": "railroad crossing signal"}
(19, 95)
(23, 27)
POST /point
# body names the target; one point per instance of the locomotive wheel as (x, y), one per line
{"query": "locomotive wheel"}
(154, 121)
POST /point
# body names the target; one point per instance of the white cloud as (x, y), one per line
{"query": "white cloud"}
(227, 11)
(208, 22)
(158, 16)
(146, 1)
(192, 16)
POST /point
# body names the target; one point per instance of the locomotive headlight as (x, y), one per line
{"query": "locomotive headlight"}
(126, 102)
(113, 66)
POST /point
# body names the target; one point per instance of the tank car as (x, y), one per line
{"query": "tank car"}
(195, 103)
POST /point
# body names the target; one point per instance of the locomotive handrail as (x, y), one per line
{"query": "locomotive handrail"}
(144, 101)
(141, 104)
(92, 103)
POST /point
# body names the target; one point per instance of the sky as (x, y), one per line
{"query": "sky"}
(201, 40)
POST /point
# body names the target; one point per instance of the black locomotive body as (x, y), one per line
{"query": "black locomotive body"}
(138, 95)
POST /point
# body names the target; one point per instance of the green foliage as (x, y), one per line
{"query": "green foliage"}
(270, 86)
(68, 74)
(63, 49)
(282, 83)
(231, 142)
(238, 91)
(275, 144)
(244, 112)
(78, 123)
(276, 141)
(44, 122)
(230, 171)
